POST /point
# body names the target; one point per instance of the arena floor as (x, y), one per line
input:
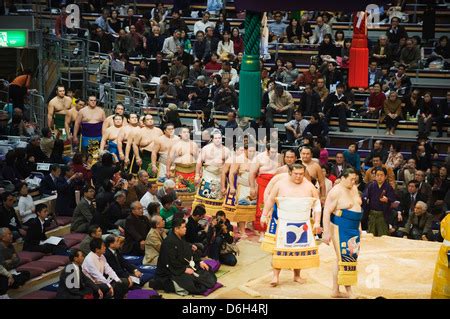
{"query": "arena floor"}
(388, 267)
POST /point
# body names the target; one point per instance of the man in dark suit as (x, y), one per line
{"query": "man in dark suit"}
(48, 183)
(79, 286)
(83, 213)
(120, 265)
(114, 215)
(8, 216)
(137, 227)
(65, 187)
(158, 66)
(36, 234)
(310, 101)
(340, 165)
(407, 203)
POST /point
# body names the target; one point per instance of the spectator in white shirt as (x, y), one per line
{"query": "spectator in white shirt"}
(25, 205)
(171, 43)
(319, 31)
(150, 197)
(225, 47)
(295, 127)
(203, 23)
(96, 267)
(228, 70)
(102, 22)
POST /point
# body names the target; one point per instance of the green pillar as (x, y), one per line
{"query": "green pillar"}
(250, 75)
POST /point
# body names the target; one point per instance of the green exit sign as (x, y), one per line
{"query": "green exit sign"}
(13, 38)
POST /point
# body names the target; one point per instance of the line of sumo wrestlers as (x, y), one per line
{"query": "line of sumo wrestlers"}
(275, 194)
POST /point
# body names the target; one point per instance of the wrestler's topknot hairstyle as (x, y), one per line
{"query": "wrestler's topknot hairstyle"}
(348, 171)
(296, 166)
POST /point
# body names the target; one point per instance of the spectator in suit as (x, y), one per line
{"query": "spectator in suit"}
(65, 187)
(114, 215)
(379, 150)
(332, 77)
(120, 265)
(48, 183)
(396, 31)
(340, 165)
(8, 217)
(375, 74)
(310, 101)
(137, 227)
(154, 239)
(34, 152)
(142, 185)
(36, 234)
(199, 95)
(294, 128)
(97, 268)
(195, 232)
(84, 211)
(319, 31)
(406, 207)
(316, 127)
(9, 171)
(95, 231)
(336, 105)
(9, 261)
(81, 285)
(158, 66)
(419, 223)
(199, 47)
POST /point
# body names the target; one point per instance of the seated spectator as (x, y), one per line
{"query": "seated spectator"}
(34, 152)
(8, 217)
(376, 102)
(120, 265)
(322, 90)
(408, 171)
(340, 165)
(94, 231)
(400, 82)
(196, 71)
(231, 122)
(153, 209)
(79, 166)
(105, 41)
(154, 239)
(280, 102)
(81, 286)
(150, 197)
(352, 157)
(57, 155)
(9, 278)
(396, 31)
(392, 112)
(277, 29)
(113, 217)
(225, 48)
(294, 128)
(142, 71)
(440, 113)
(381, 53)
(418, 226)
(104, 171)
(166, 92)
(336, 105)
(199, 95)
(124, 44)
(213, 65)
(84, 212)
(115, 22)
(225, 97)
(222, 234)
(376, 164)
(222, 25)
(167, 189)
(410, 55)
(375, 74)
(47, 141)
(406, 207)
(320, 31)
(289, 73)
(377, 198)
(395, 157)
(230, 72)
(103, 23)
(238, 42)
(204, 23)
(140, 42)
(168, 211)
(332, 77)
(25, 205)
(141, 187)
(137, 227)
(155, 42)
(21, 164)
(424, 187)
(36, 234)
(327, 51)
(310, 76)
(96, 268)
(379, 150)
(195, 232)
(443, 47)
(200, 50)
(310, 101)
(66, 185)
(16, 125)
(170, 44)
(316, 126)
(182, 92)
(177, 23)
(426, 108)
(440, 184)
(176, 264)
(294, 32)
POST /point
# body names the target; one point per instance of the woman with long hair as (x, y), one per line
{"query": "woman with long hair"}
(225, 47)
(238, 42)
(294, 31)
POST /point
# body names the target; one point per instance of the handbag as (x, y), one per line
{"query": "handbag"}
(229, 249)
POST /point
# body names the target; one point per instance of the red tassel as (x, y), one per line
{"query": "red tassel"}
(358, 74)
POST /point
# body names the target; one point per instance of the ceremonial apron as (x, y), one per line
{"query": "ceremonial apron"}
(59, 121)
(295, 246)
(162, 172)
(346, 235)
(184, 183)
(262, 180)
(209, 191)
(239, 207)
(90, 132)
(112, 148)
(441, 280)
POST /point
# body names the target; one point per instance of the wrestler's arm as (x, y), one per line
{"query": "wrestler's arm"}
(321, 178)
(328, 209)
(156, 148)
(198, 167)
(76, 127)
(106, 124)
(268, 204)
(130, 140)
(170, 160)
(252, 178)
(317, 210)
(119, 144)
(105, 137)
(50, 111)
(231, 174)
(270, 185)
(136, 142)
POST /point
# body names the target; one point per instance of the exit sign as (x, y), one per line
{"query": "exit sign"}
(13, 38)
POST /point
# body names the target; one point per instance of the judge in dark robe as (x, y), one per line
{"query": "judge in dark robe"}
(179, 269)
